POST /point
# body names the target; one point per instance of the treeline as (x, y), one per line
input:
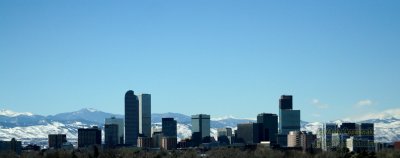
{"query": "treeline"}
(222, 152)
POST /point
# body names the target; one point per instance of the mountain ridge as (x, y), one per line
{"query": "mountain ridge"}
(30, 127)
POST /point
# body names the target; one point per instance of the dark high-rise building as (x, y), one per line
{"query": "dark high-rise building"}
(169, 127)
(111, 136)
(367, 131)
(168, 143)
(131, 118)
(248, 133)
(269, 124)
(56, 140)
(156, 138)
(286, 102)
(13, 145)
(289, 121)
(349, 129)
(89, 136)
(200, 128)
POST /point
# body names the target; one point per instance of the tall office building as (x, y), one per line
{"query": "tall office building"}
(270, 127)
(326, 139)
(89, 136)
(200, 127)
(131, 118)
(111, 135)
(248, 133)
(286, 102)
(289, 119)
(144, 114)
(169, 127)
(367, 131)
(56, 140)
(120, 123)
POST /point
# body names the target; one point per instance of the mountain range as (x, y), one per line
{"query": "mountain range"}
(31, 128)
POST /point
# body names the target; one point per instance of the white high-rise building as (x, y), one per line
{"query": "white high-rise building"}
(120, 123)
(145, 114)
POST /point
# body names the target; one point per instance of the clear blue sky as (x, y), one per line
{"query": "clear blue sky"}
(338, 58)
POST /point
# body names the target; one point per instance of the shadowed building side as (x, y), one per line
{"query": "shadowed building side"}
(131, 118)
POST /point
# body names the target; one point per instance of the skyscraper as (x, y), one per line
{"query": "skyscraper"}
(326, 140)
(200, 127)
(144, 114)
(270, 127)
(169, 127)
(289, 119)
(286, 102)
(169, 138)
(131, 118)
(367, 131)
(120, 123)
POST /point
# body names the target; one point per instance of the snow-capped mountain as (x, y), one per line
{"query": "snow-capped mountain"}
(386, 124)
(88, 114)
(35, 128)
(9, 113)
(32, 128)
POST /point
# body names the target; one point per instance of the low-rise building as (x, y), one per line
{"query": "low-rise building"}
(168, 143)
(357, 144)
(56, 140)
(89, 136)
(397, 145)
(13, 146)
(144, 142)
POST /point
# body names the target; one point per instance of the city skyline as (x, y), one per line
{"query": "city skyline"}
(216, 58)
(265, 131)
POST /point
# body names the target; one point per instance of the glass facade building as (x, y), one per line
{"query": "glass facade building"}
(131, 118)
(144, 114)
(200, 129)
(120, 123)
(290, 121)
(169, 128)
(270, 127)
